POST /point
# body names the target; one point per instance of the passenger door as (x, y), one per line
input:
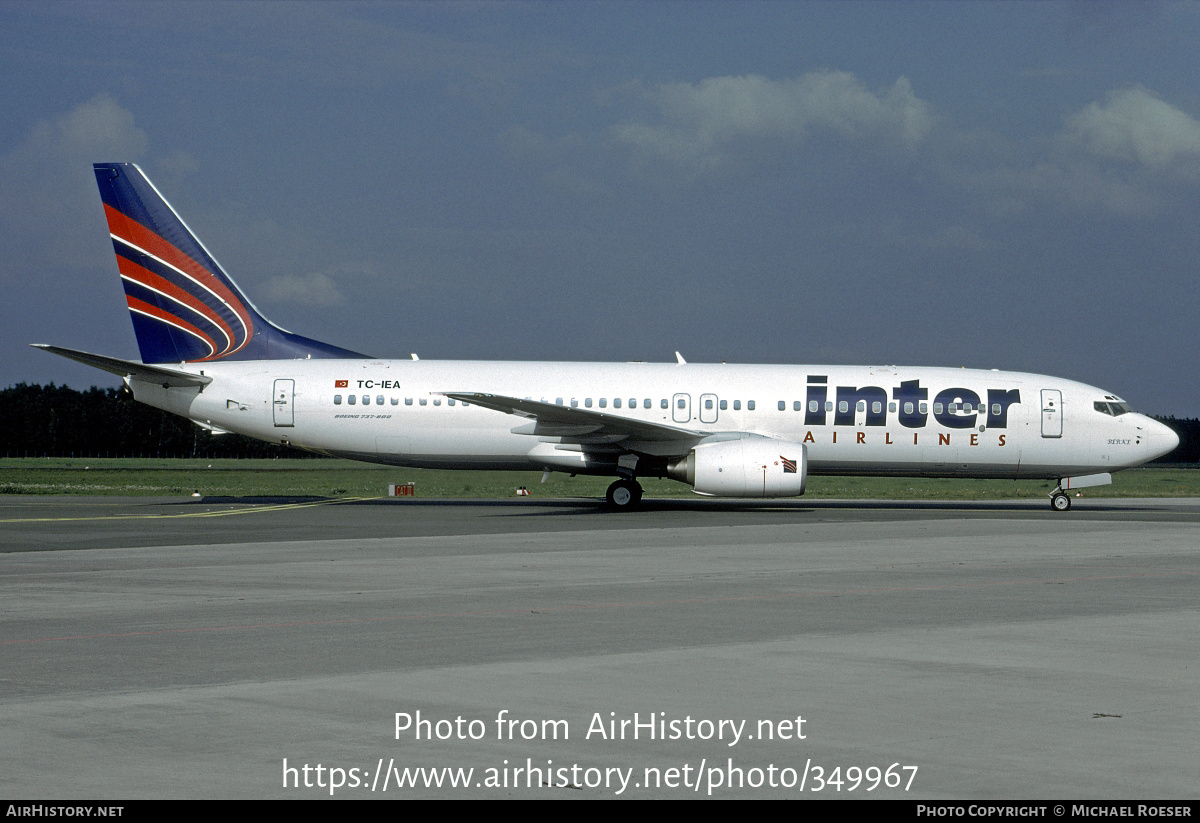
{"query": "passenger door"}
(282, 402)
(1051, 413)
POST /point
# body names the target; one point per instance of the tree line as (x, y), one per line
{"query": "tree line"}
(58, 421)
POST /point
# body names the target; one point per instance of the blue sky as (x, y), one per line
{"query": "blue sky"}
(993, 185)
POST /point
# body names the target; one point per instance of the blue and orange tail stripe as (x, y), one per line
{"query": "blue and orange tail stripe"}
(184, 307)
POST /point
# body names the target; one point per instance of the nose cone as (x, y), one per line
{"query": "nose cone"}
(1160, 438)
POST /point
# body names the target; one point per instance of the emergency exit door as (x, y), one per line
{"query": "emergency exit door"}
(681, 405)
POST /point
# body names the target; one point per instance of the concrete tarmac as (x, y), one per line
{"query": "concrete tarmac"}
(242, 649)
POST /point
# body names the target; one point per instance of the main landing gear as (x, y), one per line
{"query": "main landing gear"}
(624, 494)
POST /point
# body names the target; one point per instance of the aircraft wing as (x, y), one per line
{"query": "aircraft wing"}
(586, 426)
(130, 368)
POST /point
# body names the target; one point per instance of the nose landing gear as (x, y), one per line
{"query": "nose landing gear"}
(1059, 500)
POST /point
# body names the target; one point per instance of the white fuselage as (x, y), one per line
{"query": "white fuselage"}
(853, 420)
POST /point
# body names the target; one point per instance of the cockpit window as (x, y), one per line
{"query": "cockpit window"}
(1114, 409)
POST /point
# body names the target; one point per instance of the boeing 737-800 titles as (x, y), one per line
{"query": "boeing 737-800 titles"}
(727, 430)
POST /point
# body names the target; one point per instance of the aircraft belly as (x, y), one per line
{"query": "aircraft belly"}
(913, 453)
(910, 469)
(434, 461)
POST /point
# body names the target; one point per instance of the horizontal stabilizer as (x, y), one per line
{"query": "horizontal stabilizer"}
(169, 378)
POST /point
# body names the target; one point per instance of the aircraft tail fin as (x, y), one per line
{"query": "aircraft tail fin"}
(183, 305)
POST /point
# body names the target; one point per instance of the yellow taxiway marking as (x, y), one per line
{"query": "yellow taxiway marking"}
(251, 509)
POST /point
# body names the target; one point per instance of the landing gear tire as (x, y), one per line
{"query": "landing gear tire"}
(1060, 502)
(624, 494)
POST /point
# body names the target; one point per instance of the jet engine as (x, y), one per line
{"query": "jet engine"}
(747, 467)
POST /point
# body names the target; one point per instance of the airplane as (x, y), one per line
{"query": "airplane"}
(742, 431)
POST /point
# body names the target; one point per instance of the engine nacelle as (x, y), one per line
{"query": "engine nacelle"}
(748, 467)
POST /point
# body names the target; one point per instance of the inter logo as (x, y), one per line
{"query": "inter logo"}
(953, 408)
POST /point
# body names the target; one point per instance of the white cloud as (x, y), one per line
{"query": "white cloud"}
(1077, 186)
(313, 289)
(702, 122)
(1130, 155)
(177, 164)
(95, 130)
(50, 213)
(1135, 126)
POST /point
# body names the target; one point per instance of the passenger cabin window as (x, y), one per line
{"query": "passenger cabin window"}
(843, 406)
(782, 405)
(737, 405)
(604, 402)
(647, 404)
(797, 405)
(396, 401)
(450, 401)
(861, 406)
(366, 399)
(708, 404)
(337, 400)
(908, 408)
(937, 408)
(408, 401)
(680, 403)
(616, 402)
(724, 405)
(876, 407)
(424, 401)
(352, 399)
(749, 405)
(666, 405)
(814, 406)
(587, 402)
(437, 401)
(379, 400)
